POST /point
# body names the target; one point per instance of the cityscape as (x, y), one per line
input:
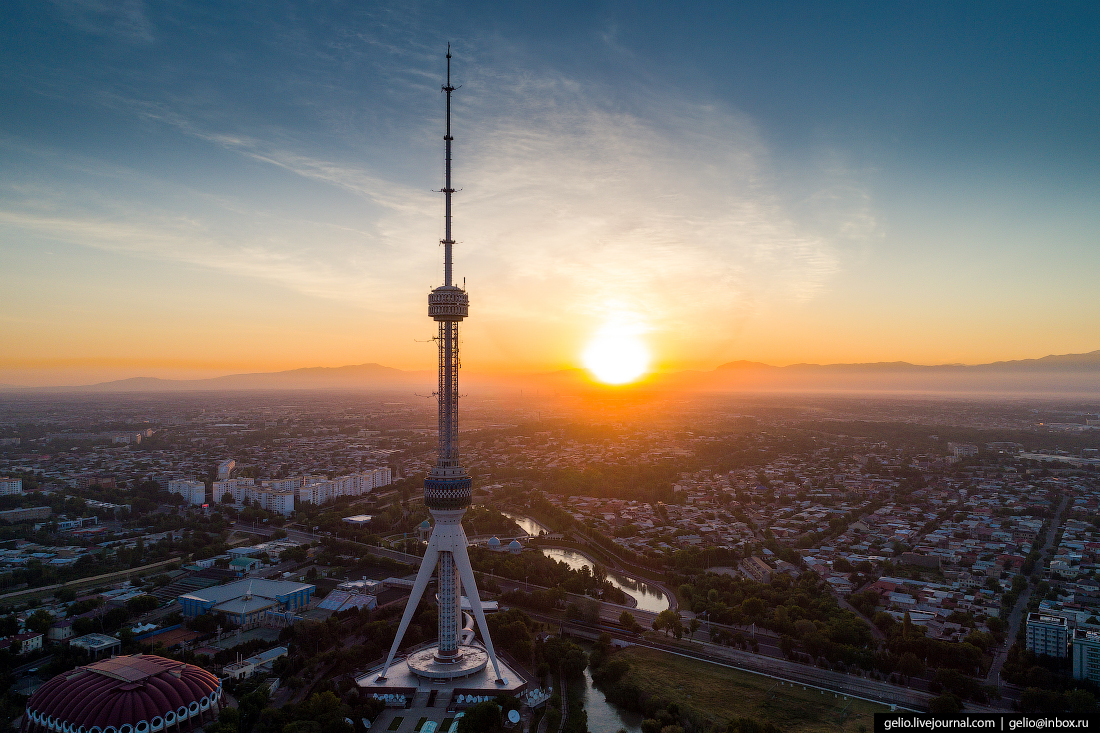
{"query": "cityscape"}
(757, 388)
(898, 552)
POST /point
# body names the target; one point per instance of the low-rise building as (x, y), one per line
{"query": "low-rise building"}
(756, 569)
(26, 514)
(257, 664)
(97, 645)
(244, 565)
(247, 602)
(60, 630)
(22, 643)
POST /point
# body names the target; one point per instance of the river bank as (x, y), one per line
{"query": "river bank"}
(647, 596)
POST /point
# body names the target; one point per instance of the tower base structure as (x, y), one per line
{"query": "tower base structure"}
(469, 661)
(471, 670)
(405, 680)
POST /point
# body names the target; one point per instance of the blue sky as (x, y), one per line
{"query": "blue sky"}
(193, 188)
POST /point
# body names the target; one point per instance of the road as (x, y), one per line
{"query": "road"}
(609, 612)
(1016, 617)
(876, 632)
(768, 660)
(39, 663)
(105, 579)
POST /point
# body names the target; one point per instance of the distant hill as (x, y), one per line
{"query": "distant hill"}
(1063, 374)
(1064, 362)
(355, 377)
(1076, 374)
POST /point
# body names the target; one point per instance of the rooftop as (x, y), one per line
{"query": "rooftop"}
(260, 587)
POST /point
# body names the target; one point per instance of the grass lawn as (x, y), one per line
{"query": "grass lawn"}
(396, 723)
(719, 694)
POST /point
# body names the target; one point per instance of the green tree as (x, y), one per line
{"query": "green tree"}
(628, 622)
(229, 721)
(753, 608)
(1081, 703)
(910, 665)
(481, 718)
(945, 706)
(39, 621)
(142, 604)
(250, 706)
(668, 620)
(327, 711)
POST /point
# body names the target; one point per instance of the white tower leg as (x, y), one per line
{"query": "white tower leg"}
(423, 576)
(466, 573)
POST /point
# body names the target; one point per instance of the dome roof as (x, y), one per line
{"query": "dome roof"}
(425, 524)
(515, 545)
(494, 542)
(138, 694)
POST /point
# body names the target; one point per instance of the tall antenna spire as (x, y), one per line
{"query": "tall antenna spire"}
(447, 190)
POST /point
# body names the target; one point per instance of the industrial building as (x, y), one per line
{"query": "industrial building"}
(248, 602)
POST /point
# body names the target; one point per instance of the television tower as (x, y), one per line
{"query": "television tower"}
(448, 488)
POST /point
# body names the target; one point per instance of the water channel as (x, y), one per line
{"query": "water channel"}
(649, 597)
(528, 525)
(604, 716)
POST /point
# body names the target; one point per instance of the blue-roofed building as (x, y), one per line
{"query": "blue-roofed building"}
(246, 602)
(243, 565)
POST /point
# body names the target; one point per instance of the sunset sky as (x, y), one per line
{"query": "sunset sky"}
(187, 191)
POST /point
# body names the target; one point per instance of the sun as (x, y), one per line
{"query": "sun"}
(616, 356)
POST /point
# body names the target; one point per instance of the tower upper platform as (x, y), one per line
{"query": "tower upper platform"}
(448, 303)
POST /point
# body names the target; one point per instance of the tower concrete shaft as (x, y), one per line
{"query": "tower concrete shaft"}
(448, 489)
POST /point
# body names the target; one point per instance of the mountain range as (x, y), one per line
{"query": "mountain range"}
(1065, 373)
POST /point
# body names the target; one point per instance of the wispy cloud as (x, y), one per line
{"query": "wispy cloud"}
(574, 208)
(577, 210)
(225, 235)
(123, 19)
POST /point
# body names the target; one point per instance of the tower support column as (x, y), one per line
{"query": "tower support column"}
(450, 606)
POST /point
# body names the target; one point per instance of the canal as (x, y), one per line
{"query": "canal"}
(648, 597)
(604, 716)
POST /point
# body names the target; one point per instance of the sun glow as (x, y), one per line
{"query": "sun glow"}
(616, 355)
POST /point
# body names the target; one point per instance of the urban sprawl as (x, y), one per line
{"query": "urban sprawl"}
(921, 554)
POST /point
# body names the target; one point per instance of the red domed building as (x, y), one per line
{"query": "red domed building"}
(138, 694)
